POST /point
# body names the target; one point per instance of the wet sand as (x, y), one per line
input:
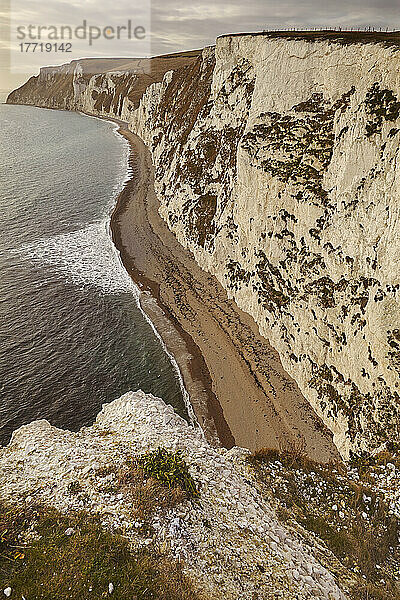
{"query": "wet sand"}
(235, 379)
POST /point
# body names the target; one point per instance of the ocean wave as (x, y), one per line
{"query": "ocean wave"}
(86, 257)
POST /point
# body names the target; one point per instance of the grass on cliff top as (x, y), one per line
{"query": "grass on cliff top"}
(169, 469)
(153, 482)
(349, 517)
(38, 560)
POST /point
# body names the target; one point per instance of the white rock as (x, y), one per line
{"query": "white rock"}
(212, 528)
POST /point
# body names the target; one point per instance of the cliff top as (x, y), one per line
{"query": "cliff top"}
(390, 38)
(271, 521)
(228, 531)
(164, 62)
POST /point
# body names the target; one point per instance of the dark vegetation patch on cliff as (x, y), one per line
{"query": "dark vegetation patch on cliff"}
(199, 219)
(272, 289)
(236, 276)
(194, 168)
(381, 105)
(341, 511)
(393, 338)
(196, 165)
(376, 413)
(297, 149)
(323, 289)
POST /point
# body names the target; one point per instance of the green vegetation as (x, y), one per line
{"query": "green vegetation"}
(47, 555)
(169, 469)
(346, 514)
(154, 482)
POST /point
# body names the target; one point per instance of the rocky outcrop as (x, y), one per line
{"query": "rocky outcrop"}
(276, 163)
(229, 539)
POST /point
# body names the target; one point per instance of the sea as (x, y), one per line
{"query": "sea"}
(72, 334)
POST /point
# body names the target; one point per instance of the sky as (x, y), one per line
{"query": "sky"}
(170, 25)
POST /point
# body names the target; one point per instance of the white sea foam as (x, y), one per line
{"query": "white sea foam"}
(86, 257)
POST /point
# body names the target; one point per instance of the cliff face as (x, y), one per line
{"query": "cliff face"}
(280, 172)
(276, 163)
(107, 87)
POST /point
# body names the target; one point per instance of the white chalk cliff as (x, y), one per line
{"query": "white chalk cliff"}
(277, 163)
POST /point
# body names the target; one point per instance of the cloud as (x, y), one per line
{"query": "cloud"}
(177, 26)
(174, 24)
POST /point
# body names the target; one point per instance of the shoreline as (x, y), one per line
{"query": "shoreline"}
(265, 408)
(178, 344)
(185, 396)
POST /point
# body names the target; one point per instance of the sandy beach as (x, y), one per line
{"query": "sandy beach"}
(235, 379)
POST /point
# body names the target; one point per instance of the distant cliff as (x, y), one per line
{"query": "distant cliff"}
(277, 163)
(102, 86)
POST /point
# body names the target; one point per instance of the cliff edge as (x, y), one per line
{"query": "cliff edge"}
(261, 526)
(229, 539)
